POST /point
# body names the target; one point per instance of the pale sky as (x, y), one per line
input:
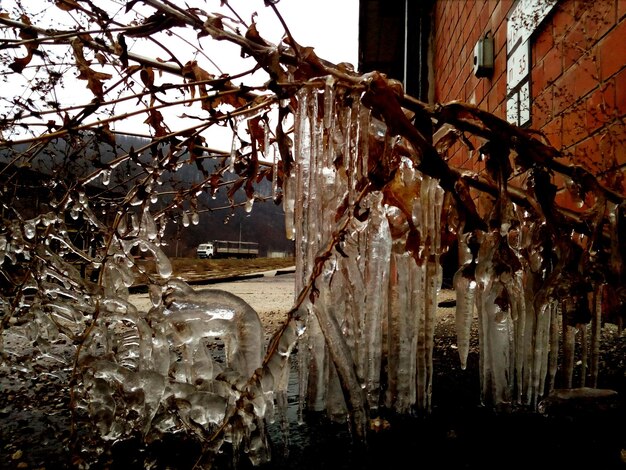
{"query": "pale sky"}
(329, 26)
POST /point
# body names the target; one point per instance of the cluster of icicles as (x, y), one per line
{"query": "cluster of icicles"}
(375, 312)
(376, 308)
(193, 362)
(366, 342)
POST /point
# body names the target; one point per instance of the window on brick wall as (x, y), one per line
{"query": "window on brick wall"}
(524, 18)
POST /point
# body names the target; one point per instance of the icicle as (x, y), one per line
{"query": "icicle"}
(106, 176)
(553, 350)
(465, 288)
(582, 331)
(545, 314)
(297, 183)
(360, 155)
(135, 225)
(329, 101)
(332, 305)
(523, 305)
(519, 347)
(3, 248)
(121, 227)
(313, 368)
(405, 326)
(430, 280)
(30, 228)
(289, 199)
(342, 359)
(375, 303)
(494, 326)
(233, 148)
(574, 191)
(569, 341)
(614, 229)
(596, 335)
(148, 228)
(249, 204)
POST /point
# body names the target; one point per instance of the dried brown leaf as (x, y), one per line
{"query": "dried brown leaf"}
(101, 58)
(234, 188)
(19, 63)
(252, 34)
(105, 134)
(67, 5)
(257, 132)
(94, 78)
(122, 49)
(155, 120)
(147, 77)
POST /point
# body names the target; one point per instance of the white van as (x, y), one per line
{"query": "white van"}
(205, 250)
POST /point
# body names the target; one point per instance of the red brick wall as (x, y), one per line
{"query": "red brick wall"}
(578, 76)
(458, 25)
(579, 85)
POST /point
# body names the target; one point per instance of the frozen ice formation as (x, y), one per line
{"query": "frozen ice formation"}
(369, 252)
(194, 362)
(368, 226)
(369, 336)
(185, 364)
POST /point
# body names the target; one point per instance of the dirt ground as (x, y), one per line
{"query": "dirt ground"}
(460, 433)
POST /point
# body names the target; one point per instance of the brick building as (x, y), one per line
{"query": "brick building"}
(558, 66)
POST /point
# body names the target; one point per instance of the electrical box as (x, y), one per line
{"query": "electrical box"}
(483, 57)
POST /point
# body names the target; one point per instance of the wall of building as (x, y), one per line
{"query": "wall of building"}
(394, 38)
(577, 77)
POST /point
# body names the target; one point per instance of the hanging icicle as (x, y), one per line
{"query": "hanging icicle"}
(389, 331)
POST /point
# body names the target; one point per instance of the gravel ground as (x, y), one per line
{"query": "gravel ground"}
(35, 424)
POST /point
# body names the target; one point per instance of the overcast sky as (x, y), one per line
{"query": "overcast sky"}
(329, 26)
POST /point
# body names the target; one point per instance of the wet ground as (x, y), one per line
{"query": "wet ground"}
(35, 425)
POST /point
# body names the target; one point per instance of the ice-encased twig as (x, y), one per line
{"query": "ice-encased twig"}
(465, 288)
(375, 301)
(331, 167)
(569, 341)
(596, 334)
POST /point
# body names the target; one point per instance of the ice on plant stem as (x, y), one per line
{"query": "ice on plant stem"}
(368, 229)
(393, 308)
(190, 315)
(139, 364)
(233, 147)
(465, 287)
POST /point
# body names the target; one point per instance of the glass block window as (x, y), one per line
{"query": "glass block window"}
(524, 19)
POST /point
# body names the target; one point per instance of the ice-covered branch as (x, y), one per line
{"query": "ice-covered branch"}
(369, 195)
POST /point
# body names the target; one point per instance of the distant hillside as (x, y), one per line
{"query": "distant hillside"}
(69, 161)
